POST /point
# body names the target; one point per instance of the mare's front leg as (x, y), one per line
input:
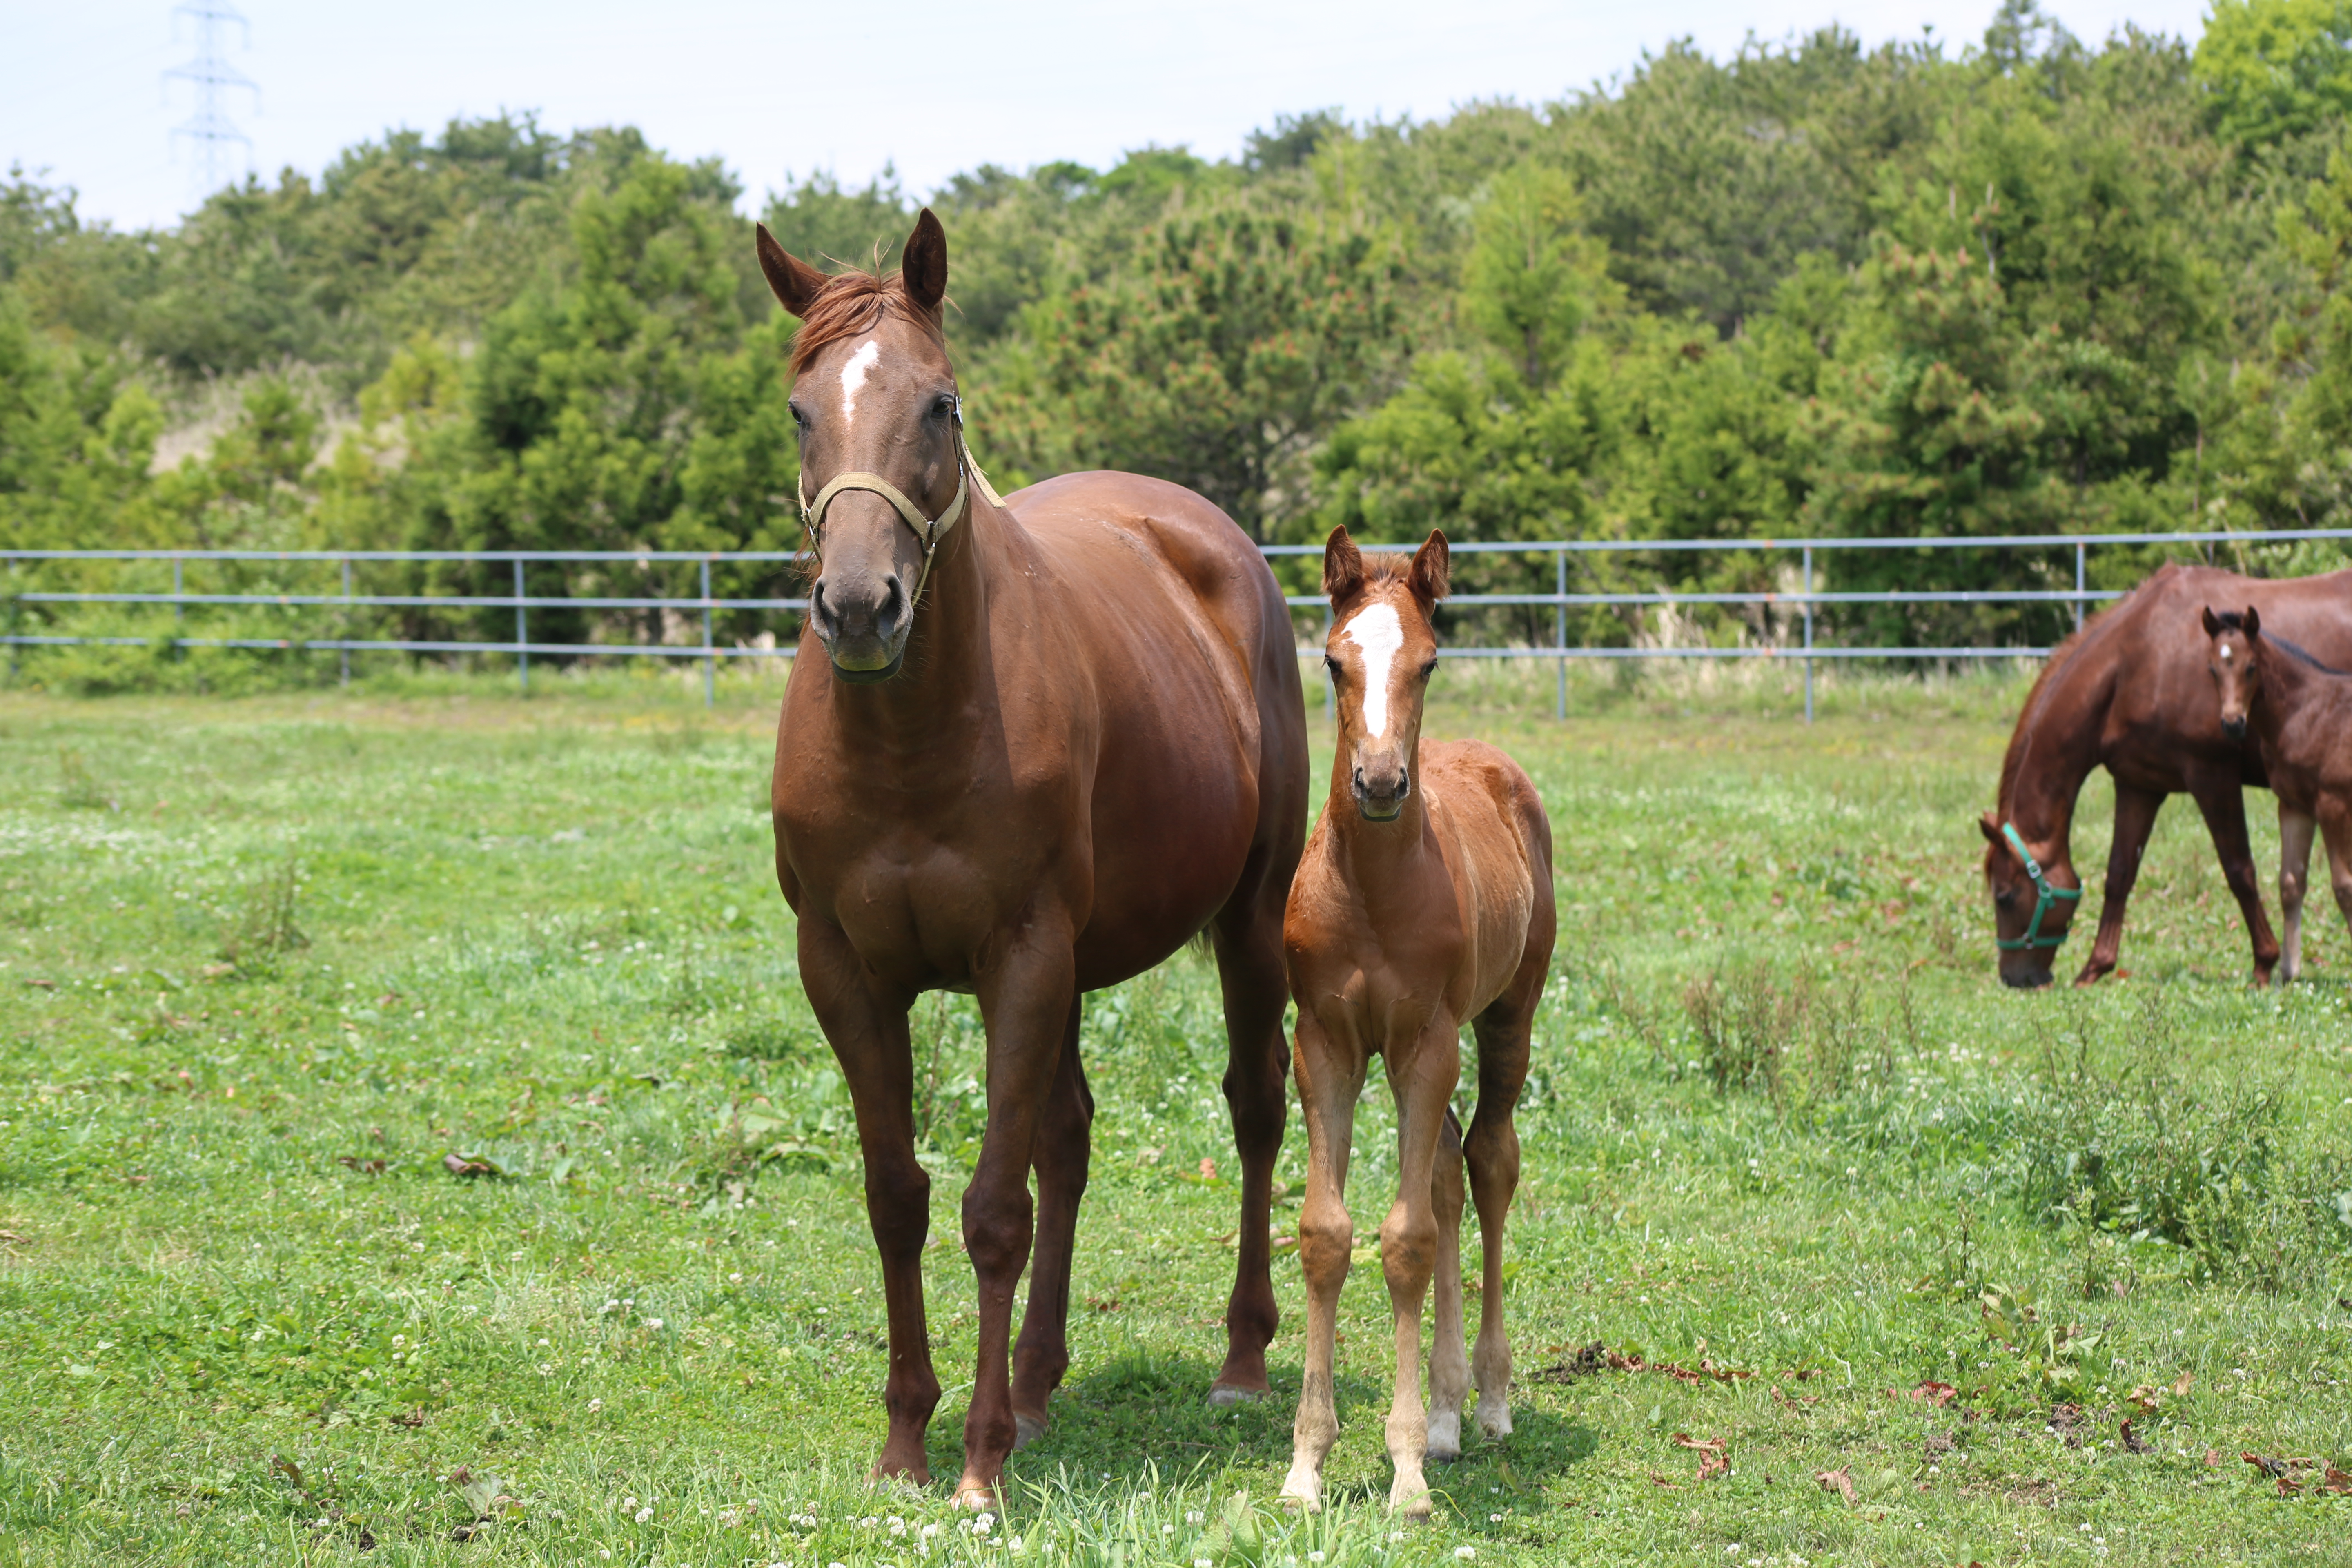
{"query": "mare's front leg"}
(1063, 1142)
(2222, 798)
(1026, 999)
(1422, 1083)
(1250, 972)
(2294, 868)
(1330, 1077)
(867, 1027)
(2136, 810)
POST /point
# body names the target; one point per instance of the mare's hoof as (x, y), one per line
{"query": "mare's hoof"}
(978, 1498)
(1225, 1394)
(1026, 1429)
(1444, 1436)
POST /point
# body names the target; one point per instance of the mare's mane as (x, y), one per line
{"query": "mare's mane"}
(2014, 760)
(854, 302)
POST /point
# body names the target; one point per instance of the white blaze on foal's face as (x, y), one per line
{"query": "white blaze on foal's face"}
(853, 378)
(1378, 633)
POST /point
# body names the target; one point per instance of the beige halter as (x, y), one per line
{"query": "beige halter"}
(928, 530)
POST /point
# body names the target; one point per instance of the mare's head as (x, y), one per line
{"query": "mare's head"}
(2035, 896)
(873, 395)
(1380, 652)
(2234, 653)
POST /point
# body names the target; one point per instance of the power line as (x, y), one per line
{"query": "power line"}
(210, 127)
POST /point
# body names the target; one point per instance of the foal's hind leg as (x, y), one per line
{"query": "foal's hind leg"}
(2294, 869)
(1249, 968)
(1504, 1033)
(1449, 1358)
(1043, 1353)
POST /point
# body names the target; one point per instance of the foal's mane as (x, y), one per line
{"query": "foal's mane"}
(854, 302)
(2235, 620)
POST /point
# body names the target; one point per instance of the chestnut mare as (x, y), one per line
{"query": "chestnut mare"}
(1029, 748)
(2129, 692)
(1425, 901)
(2298, 714)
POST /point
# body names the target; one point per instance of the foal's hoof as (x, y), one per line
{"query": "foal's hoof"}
(1026, 1429)
(1302, 1491)
(1494, 1417)
(1225, 1394)
(1444, 1436)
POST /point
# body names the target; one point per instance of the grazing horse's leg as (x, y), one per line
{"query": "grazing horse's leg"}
(1026, 1000)
(1330, 1077)
(1503, 1032)
(1422, 1083)
(1449, 1359)
(2294, 869)
(1043, 1353)
(2136, 810)
(1248, 941)
(2222, 798)
(868, 1034)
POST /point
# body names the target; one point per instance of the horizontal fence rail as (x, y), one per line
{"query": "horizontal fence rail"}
(1802, 603)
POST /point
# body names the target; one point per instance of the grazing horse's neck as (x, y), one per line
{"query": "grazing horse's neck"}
(2054, 749)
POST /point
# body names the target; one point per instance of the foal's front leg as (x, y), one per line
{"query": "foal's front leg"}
(1025, 1001)
(1330, 1077)
(2294, 869)
(867, 1030)
(1423, 1085)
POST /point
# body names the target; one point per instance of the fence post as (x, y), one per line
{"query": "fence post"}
(522, 642)
(1809, 634)
(1560, 630)
(709, 658)
(2078, 587)
(347, 620)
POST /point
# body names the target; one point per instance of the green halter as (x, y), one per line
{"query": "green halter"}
(2044, 895)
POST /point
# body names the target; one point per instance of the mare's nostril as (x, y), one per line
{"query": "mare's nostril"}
(817, 611)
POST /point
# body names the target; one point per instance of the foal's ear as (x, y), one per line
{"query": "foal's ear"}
(1343, 567)
(1433, 563)
(1990, 829)
(795, 282)
(923, 265)
(2254, 622)
(2212, 623)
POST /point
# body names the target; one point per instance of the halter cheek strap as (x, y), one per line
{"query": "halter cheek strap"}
(929, 530)
(2044, 895)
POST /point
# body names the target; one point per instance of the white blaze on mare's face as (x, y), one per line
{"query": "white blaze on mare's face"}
(853, 378)
(1380, 634)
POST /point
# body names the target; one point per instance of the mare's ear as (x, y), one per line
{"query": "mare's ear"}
(1343, 567)
(795, 282)
(1990, 829)
(1432, 565)
(2212, 623)
(923, 265)
(2254, 622)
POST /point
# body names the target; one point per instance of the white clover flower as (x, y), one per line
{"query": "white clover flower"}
(1167, 1529)
(1200, 1562)
(1315, 1556)
(627, 1504)
(594, 1406)
(644, 1515)
(1465, 1552)
(652, 1322)
(1192, 1517)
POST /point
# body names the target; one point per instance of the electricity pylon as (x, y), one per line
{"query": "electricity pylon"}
(209, 127)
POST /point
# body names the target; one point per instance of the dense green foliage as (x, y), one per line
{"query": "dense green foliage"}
(2036, 285)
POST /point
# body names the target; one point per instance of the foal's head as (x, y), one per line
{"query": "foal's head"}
(1380, 653)
(2235, 655)
(872, 394)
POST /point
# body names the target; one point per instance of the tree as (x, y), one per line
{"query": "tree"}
(2272, 69)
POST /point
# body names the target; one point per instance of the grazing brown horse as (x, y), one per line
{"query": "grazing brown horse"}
(1425, 901)
(2298, 714)
(2129, 692)
(1029, 747)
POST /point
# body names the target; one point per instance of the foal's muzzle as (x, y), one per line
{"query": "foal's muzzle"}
(2234, 728)
(1381, 795)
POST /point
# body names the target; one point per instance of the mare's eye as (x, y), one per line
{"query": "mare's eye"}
(800, 417)
(943, 407)
(2005, 898)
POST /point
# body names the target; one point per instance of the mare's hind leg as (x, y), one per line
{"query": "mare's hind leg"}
(2136, 810)
(2294, 869)
(1449, 1358)
(1042, 1354)
(1248, 940)
(2222, 798)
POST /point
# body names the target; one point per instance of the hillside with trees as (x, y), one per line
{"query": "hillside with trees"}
(2032, 285)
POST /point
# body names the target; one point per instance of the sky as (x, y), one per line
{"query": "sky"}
(789, 87)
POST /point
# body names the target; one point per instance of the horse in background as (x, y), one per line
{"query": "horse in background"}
(1423, 901)
(1085, 746)
(2130, 694)
(2297, 712)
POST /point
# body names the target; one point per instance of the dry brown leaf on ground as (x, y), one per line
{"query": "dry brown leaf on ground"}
(2337, 1481)
(2183, 1384)
(1714, 1454)
(1836, 1481)
(1937, 1393)
(2145, 1399)
(2134, 1441)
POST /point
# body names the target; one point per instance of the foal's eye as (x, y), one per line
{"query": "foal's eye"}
(1429, 670)
(1332, 665)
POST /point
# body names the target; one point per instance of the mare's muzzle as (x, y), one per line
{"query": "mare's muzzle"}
(862, 619)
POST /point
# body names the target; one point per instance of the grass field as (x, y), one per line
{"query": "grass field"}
(1906, 1245)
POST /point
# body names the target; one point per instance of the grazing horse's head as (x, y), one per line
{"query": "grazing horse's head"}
(2235, 658)
(873, 398)
(1380, 652)
(2035, 893)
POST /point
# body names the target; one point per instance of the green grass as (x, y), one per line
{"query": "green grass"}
(265, 963)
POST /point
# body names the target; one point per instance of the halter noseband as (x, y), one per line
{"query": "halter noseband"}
(2044, 895)
(929, 530)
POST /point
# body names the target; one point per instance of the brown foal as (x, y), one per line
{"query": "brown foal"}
(1423, 901)
(2298, 715)
(1029, 748)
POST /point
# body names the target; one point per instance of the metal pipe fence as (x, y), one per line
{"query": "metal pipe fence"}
(1805, 602)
